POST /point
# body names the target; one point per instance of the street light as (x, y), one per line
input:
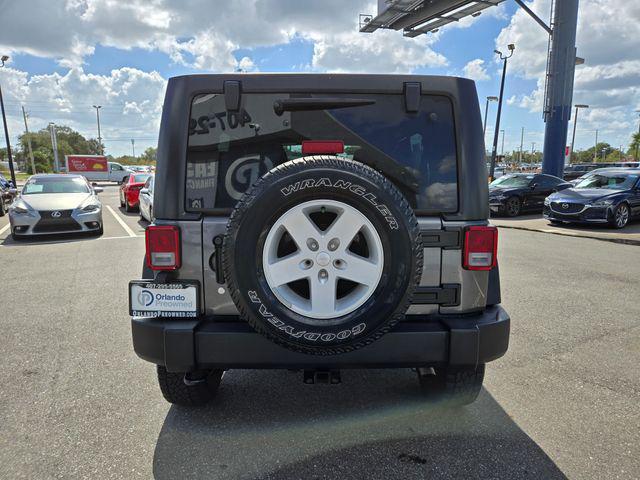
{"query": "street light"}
(486, 111)
(98, 107)
(575, 122)
(504, 59)
(3, 59)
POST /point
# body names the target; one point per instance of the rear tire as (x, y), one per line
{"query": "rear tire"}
(455, 386)
(174, 390)
(512, 207)
(127, 207)
(2, 209)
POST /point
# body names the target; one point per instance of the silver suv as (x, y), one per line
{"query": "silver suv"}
(320, 222)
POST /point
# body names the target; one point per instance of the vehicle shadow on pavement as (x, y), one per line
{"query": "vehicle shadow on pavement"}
(520, 218)
(49, 239)
(376, 424)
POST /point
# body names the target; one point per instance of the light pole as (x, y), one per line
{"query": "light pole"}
(595, 148)
(575, 122)
(54, 147)
(521, 145)
(486, 111)
(494, 149)
(133, 147)
(502, 148)
(98, 107)
(635, 157)
(533, 148)
(3, 59)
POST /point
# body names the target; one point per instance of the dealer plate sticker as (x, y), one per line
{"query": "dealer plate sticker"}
(163, 300)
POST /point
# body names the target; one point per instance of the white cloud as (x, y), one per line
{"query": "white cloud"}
(608, 33)
(384, 51)
(131, 103)
(475, 70)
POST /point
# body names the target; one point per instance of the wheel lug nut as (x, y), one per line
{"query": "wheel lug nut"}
(312, 244)
(334, 243)
(323, 276)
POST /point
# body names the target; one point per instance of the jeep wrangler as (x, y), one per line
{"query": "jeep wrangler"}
(317, 223)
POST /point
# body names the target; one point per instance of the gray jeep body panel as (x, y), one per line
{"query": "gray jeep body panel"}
(173, 139)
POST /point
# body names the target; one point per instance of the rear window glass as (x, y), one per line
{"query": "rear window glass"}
(228, 151)
(140, 178)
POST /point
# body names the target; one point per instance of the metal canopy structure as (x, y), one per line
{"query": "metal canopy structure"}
(416, 17)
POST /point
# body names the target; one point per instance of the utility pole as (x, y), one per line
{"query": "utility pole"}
(521, 145)
(54, 146)
(98, 107)
(494, 149)
(595, 149)
(3, 59)
(133, 147)
(575, 122)
(26, 129)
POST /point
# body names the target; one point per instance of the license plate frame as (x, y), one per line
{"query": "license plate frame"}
(178, 299)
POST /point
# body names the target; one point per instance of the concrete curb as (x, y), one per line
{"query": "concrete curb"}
(622, 241)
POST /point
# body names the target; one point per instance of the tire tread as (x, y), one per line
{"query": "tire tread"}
(294, 166)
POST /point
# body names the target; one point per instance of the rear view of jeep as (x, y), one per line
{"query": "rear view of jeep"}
(319, 223)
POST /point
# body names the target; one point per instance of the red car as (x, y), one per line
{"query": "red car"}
(130, 191)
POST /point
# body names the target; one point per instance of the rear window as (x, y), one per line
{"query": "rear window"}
(228, 151)
(140, 178)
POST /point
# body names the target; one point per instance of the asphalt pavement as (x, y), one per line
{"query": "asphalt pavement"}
(629, 235)
(76, 402)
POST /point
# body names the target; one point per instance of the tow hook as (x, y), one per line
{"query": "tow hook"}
(192, 379)
(328, 377)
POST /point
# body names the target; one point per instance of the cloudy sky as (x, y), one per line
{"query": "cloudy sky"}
(69, 55)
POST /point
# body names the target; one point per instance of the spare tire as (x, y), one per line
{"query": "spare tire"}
(322, 255)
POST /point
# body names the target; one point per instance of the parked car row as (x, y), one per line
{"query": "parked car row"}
(137, 193)
(576, 170)
(604, 196)
(68, 203)
(8, 193)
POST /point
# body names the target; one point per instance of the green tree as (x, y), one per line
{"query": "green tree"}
(69, 142)
(634, 146)
(149, 155)
(587, 156)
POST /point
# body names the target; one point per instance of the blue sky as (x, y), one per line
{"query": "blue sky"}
(57, 75)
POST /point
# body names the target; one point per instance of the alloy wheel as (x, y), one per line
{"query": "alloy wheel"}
(622, 215)
(323, 259)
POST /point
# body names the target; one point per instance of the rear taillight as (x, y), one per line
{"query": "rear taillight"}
(321, 147)
(480, 248)
(163, 247)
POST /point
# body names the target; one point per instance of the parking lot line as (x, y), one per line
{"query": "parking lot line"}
(121, 222)
(2, 230)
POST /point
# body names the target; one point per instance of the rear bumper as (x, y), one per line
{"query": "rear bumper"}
(185, 345)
